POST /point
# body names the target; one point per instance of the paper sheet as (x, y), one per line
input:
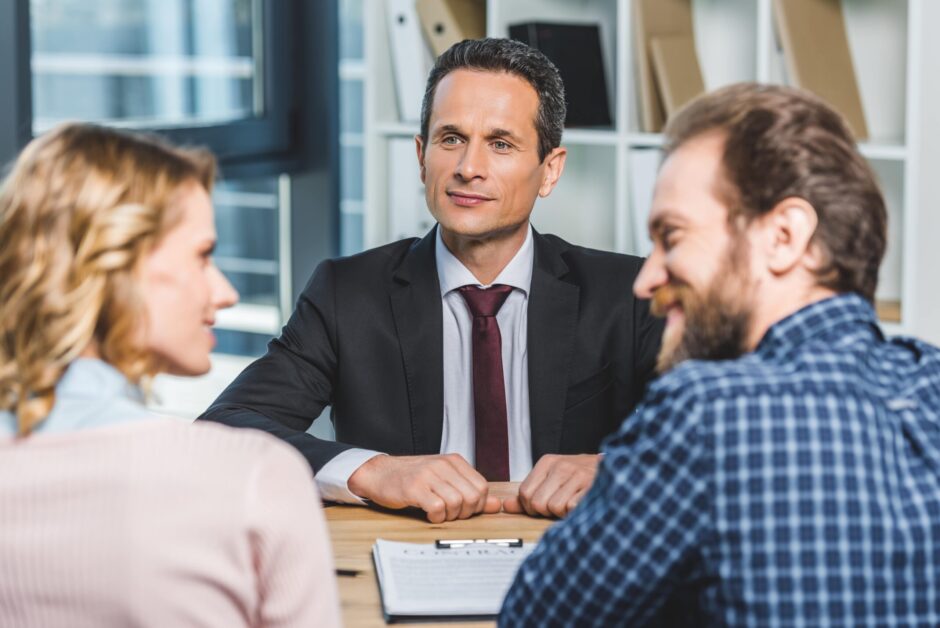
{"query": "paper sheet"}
(417, 579)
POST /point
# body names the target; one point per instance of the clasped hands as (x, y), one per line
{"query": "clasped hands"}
(447, 487)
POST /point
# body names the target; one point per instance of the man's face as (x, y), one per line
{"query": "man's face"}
(698, 274)
(480, 164)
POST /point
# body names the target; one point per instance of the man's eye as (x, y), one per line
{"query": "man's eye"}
(450, 140)
(669, 238)
(501, 145)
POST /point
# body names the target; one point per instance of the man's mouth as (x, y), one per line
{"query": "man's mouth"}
(467, 199)
(664, 299)
(667, 303)
(674, 315)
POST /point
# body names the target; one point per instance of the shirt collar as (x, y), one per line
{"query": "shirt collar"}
(815, 320)
(95, 379)
(91, 393)
(452, 274)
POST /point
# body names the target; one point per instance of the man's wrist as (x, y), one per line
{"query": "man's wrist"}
(359, 480)
(333, 478)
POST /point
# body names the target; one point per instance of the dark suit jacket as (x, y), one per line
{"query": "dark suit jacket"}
(366, 339)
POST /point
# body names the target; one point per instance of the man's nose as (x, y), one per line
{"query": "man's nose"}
(652, 276)
(472, 164)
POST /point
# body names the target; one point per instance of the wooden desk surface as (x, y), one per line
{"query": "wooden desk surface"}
(354, 529)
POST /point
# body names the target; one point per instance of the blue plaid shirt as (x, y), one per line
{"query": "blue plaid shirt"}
(796, 486)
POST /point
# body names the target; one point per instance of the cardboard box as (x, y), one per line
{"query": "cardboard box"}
(816, 49)
(676, 69)
(655, 18)
(446, 22)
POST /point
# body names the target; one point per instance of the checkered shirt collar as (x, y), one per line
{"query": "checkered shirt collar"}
(816, 320)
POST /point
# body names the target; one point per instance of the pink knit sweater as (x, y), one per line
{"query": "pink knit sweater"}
(161, 523)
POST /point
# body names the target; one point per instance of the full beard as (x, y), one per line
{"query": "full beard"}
(715, 326)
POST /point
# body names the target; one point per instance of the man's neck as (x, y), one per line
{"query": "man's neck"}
(485, 257)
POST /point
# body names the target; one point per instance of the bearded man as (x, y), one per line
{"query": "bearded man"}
(785, 469)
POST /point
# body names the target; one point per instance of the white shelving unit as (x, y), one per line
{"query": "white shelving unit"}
(595, 203)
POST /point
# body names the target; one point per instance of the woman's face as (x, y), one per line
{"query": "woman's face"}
(183, 289)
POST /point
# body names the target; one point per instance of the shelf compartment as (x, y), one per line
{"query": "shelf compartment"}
(888, 311)
(581, 207)
(590, 137)
(397, 129)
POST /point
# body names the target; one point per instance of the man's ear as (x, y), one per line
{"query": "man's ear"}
(789, 229)
(554, 165)
(419, 148)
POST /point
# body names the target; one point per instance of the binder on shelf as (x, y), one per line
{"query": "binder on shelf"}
(446, 22)
(411, 60)
(408, 215)
(816, 50)
(656, 18)
(575, 49)
(676, 69)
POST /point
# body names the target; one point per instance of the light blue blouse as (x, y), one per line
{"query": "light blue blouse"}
(91, 393)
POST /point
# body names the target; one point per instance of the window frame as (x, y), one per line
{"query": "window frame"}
(304, 67)
(258, 146)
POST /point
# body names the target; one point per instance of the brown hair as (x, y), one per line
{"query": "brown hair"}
(78, 211)
(513, 57)
(784, 142)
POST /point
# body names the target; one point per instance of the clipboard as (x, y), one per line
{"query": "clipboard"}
(427, 582)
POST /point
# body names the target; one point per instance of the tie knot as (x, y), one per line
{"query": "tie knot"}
(485, 302)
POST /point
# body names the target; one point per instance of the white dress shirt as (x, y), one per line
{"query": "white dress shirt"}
(458, 421)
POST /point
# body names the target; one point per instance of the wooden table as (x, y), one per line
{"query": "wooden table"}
(354, 529)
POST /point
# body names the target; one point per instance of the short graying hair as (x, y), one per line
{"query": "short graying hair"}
(514, 57)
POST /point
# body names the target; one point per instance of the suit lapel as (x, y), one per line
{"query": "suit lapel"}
(416, 306)
(553, 318)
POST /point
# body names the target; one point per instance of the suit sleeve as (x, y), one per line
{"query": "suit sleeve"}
(283, 391)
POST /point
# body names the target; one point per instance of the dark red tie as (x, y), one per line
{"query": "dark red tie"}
(489, 391)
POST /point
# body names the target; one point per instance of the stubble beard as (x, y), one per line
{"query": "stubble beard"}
(716, 324)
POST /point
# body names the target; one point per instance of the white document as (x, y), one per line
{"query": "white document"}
(408, 212)
(411, 58)
(418, 580)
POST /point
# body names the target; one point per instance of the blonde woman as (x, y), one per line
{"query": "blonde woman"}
(110, 515)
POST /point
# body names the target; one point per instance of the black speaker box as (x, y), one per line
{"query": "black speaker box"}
(575, 49)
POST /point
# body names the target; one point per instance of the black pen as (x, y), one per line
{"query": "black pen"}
(348, 573)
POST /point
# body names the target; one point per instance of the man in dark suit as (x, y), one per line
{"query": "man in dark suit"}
(484, 351)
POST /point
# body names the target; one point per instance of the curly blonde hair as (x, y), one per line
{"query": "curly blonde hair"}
(79, 209)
